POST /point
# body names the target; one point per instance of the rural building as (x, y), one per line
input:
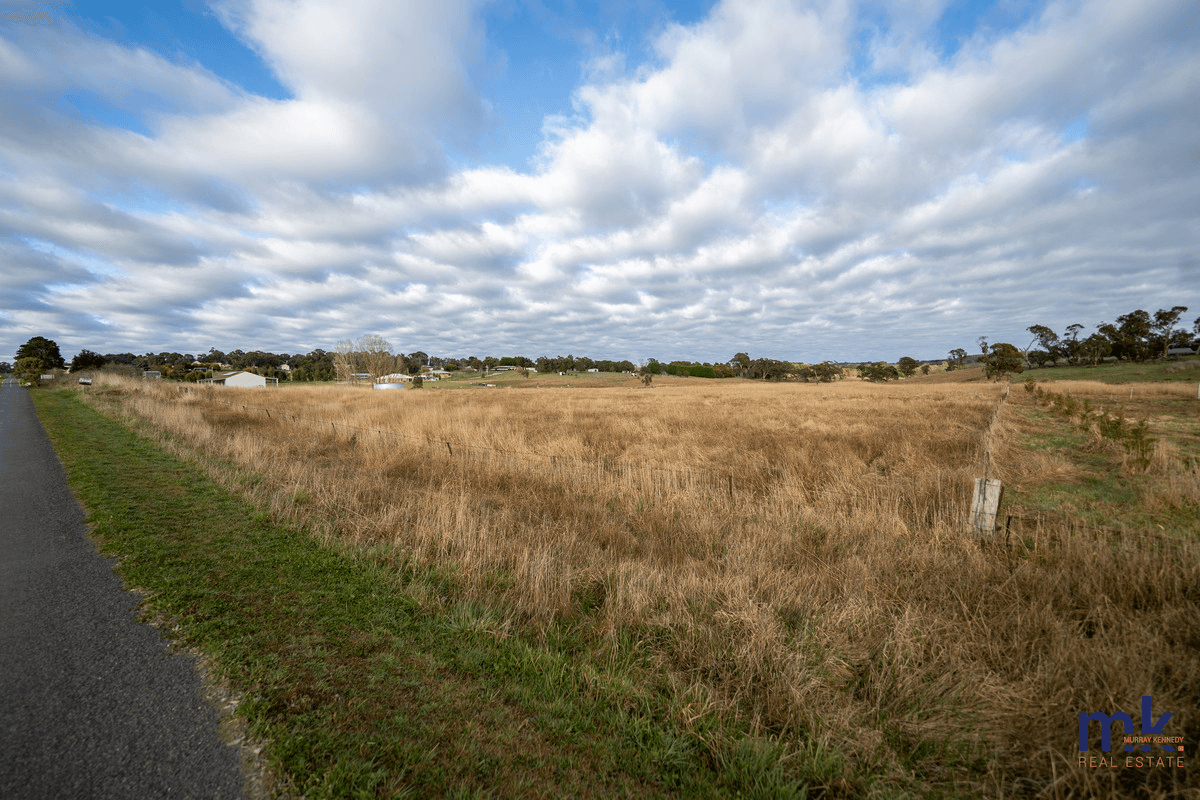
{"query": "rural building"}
(240, 380)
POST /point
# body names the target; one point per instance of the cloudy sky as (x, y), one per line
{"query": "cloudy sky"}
(626, 179)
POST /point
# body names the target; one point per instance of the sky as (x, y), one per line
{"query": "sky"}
(628, 179)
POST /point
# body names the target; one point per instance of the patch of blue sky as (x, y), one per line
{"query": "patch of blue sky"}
(964, 19)
(872, 24)
(539, 54)
(1075, 131)
(96, 266)
(181, 31)
(91, 108)
(143, 203)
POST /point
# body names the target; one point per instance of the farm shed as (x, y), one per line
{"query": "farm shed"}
(240, 380)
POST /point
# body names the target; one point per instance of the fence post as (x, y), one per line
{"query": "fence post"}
(984, 504)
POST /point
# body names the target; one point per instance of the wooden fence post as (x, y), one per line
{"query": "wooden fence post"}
(984, 505)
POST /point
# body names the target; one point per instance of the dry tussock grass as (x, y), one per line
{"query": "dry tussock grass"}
(831, 596)
(1121, 392)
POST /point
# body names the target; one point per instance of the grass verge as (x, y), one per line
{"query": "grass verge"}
(367, 677)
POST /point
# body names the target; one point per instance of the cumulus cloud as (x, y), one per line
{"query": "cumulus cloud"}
(807, 181)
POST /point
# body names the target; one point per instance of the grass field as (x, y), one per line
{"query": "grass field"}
(1183, 370)
(782, 568)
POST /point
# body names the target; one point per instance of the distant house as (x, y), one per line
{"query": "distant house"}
(1181, 351)
(239, 380)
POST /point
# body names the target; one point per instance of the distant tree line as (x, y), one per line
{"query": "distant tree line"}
(314, 366)
(40, 354)
(570, 363)
(1136, 337)
(371, 357)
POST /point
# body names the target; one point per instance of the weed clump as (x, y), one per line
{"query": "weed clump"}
(1134, 438)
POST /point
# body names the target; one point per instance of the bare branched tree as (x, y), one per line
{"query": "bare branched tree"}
(375, 354)
(343, 360)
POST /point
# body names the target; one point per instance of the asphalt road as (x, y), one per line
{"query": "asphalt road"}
(91, 704)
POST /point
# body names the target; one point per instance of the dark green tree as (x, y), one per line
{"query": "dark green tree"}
(907, 366)
(45, 349)
(1048, 340)
(29, 369)
(769, 369)
(877, 372)
(1095, 348)
(827, 372)
(1070, 347)
(86, 359)
(1164, 321)
(1003, 359)
(1130, 336)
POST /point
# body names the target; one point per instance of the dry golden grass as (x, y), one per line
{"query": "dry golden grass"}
(792, 555)
(1117, 393)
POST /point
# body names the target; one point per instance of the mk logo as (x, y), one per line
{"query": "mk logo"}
(1106, 721)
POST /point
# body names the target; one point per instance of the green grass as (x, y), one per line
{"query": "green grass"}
(368, 677)
(1100, 490)
(1121, 372)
